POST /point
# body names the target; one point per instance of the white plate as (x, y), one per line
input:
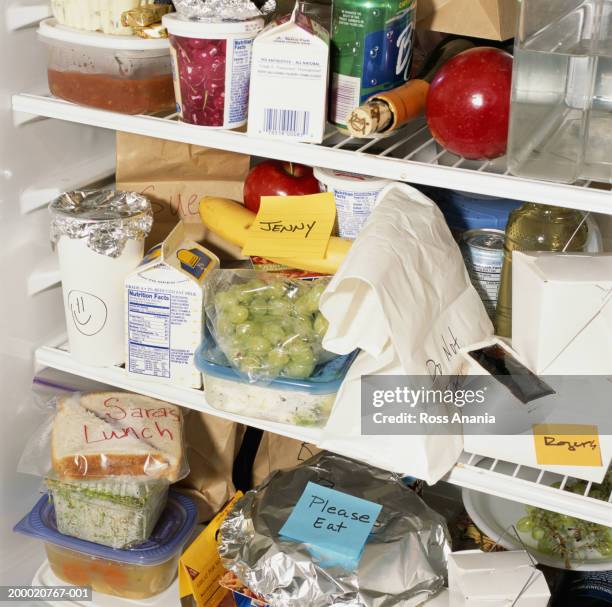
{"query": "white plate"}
(45, 577)
(495, 515)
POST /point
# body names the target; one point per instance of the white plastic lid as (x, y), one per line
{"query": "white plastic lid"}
(203, 29)
(342, 179)
(52, 30)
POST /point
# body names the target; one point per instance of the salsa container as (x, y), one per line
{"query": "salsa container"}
(134, 573)
(125, 74)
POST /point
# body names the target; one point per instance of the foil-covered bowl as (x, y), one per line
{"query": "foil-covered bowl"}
(403, 562)
(106, 218)
(222, 10)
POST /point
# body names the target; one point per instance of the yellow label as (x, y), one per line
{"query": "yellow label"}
(292, 226)
(200, 567)
(567, 445)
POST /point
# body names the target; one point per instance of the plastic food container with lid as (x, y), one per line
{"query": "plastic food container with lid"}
(301, 402)
(355, 197)
(134, 573)
(114, 511)
(212, 64)
(96, 15)
(125, 74)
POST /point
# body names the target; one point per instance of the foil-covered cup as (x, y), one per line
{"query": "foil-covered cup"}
(403, 562)
(106, 218)
(222, 10)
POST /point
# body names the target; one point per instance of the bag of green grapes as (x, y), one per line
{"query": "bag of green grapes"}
(267, 326)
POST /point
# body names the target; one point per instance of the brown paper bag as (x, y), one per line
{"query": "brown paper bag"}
(278, 453)
(175, 176)
(490, 19)
(212, 447)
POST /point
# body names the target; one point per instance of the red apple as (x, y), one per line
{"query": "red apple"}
(468, 105)
(276, 178)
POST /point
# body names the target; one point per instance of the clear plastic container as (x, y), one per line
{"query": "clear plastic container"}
(135, 573)
(125, 74)
(212, 65)
(301, 402)
(95, 15)
(116, 512)
(561, 114)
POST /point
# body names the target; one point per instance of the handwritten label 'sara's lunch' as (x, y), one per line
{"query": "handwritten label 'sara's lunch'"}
(292, 226)
(331, 522)
(567, 445)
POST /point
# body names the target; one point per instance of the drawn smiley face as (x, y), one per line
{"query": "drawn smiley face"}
(89, 313)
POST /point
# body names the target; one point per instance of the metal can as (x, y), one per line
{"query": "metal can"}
(483, 253)
(371, 51)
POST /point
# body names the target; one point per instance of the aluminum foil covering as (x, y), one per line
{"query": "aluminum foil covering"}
(106, 218)
(403, 562)
(222, 10)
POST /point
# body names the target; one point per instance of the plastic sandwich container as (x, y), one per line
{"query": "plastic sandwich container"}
(116, 511)
(134, 573)
(212, 64)
(125, 74)
(301, 402)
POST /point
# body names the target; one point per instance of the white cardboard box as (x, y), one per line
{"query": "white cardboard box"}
(164, 310)
(511, 439)
(495, 579)
(289, 74)
(562, 312)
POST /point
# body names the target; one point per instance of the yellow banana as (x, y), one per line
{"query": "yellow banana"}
(230, 220)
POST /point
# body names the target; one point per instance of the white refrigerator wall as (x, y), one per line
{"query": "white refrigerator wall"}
(36, 158)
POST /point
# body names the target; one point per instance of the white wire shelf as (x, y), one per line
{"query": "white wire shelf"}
(510, 481)
(410, 155)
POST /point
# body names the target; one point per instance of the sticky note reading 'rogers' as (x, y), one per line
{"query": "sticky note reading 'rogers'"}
(290, 226)
(335, 525)
(567, 445)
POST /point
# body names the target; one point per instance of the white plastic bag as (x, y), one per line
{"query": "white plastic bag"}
(403, 295)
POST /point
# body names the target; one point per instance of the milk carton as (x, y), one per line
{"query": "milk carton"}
(289, 73)
(164, 310)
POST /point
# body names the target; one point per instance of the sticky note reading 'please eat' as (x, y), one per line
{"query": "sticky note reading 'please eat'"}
(333, 524)
(290, 226)
(567, 445)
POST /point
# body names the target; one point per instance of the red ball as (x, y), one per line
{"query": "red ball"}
(468, 105)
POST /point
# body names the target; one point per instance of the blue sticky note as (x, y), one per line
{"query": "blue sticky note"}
(334, 525)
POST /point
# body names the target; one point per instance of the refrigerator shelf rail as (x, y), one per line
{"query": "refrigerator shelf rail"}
(409, 155)
(503, 479)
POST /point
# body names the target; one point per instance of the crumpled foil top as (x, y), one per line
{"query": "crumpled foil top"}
(222, 10)
(106, 218)
(403, 562)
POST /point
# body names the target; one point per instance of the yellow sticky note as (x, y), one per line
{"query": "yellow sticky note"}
(290, 226)
(567, 445)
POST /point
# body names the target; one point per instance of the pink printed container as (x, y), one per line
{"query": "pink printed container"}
(211, 69)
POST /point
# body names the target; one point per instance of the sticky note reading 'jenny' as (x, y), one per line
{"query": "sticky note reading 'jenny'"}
(290, 226)
(333, 524)
(567, 445)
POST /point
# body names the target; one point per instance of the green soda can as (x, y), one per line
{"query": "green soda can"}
(371, 51)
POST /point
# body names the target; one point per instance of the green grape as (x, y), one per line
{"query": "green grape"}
(225, 326)
(237, 314)
(258, 307)
(537, 533)
(301, 352)
(317, 291)
(525, 524)
(273, 332)
(277, 358)
(301, 306)
(299, 370)
(256, 344)
(256, 284)
(605, 549)
(246, 328)
(312, 301)
(320, 325)
(225, 299)
(302, 327)
(579, 487)
(546, 547)
(233, 348)
(277, 290)
(279, 307)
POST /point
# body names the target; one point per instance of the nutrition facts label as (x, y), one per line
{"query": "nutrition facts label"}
(353, 210)
(149, 333)
(239, 86)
